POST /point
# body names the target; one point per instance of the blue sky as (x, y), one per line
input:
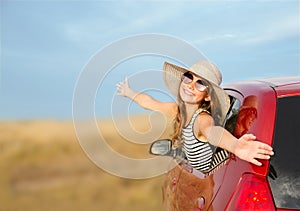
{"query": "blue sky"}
(46, 44)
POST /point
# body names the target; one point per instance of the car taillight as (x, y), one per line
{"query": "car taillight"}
(253, 193)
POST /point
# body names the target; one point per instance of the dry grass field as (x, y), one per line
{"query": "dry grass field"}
(43, 167)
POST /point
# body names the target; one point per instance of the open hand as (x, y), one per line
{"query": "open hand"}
(123, 88)
(246, 148)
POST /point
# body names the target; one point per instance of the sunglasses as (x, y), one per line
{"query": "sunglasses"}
(188, 77)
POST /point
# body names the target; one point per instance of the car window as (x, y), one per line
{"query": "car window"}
(232, 114)
(284, 172)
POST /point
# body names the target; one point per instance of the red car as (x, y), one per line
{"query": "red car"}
(268, 108)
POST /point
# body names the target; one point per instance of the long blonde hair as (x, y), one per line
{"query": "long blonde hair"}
(181, 117)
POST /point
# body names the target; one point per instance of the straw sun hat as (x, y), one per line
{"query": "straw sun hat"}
(211, 74)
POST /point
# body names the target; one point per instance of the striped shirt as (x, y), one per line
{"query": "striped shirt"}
(198, 153)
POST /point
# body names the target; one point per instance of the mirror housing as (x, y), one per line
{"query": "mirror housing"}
(161, 147)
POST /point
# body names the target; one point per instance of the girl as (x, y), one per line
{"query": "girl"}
(199, 113)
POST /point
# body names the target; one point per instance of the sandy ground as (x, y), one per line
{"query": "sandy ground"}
(43, 167)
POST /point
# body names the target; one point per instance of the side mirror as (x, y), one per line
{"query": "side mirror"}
(161, 147)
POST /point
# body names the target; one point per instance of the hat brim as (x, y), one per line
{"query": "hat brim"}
(220, 99)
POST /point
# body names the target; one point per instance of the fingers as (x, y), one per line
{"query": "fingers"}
(262, 145)
(121, 86)
(259, 156)
(265, 152)
(256, 162)
(252, 150)
(258, 147)
(263, 156)
(253, 158)
(266, 147)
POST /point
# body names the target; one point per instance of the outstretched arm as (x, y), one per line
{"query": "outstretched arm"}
(144, 100)
(246, 147)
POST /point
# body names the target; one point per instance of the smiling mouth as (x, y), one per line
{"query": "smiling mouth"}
(187, 92)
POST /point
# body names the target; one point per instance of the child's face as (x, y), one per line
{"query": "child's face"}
(192, 90)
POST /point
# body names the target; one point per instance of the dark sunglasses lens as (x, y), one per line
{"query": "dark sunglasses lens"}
(200, 85)
(187, 76)
(200, 82)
